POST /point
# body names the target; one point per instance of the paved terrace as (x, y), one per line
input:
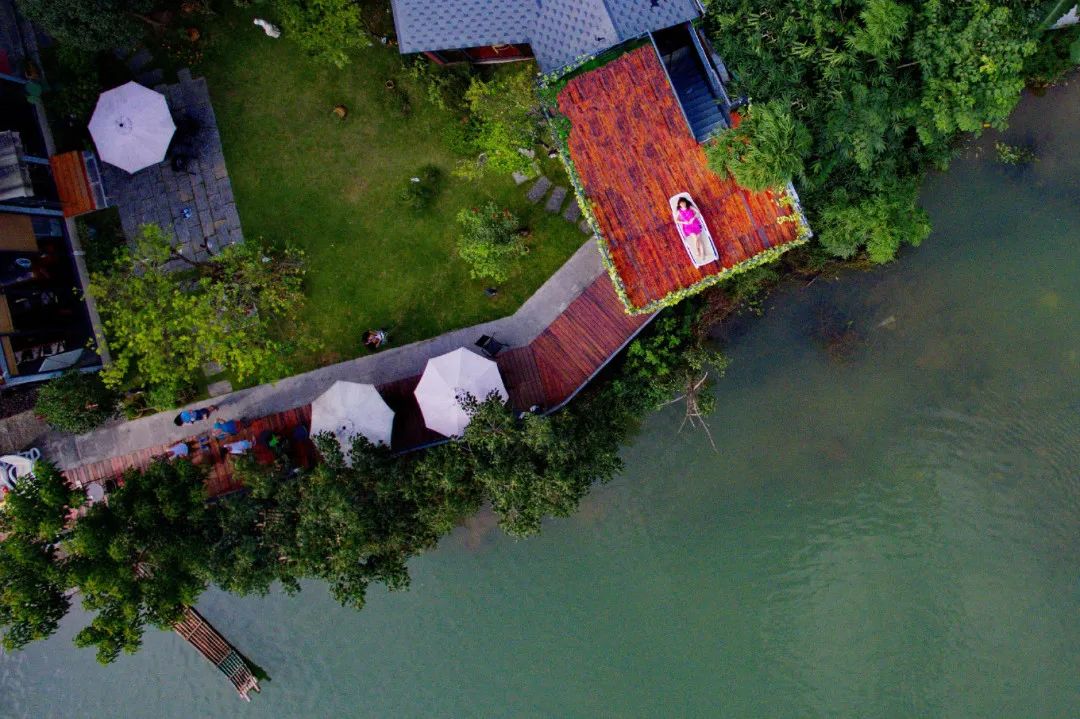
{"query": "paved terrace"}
(556, 342)
(196, 204)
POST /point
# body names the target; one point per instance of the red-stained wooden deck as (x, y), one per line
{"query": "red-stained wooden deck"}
(633, 151)
(219, 478)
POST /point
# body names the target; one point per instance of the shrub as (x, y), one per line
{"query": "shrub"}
(1013, 154)
(75, 402)
(327, 30)
(489, 241)
(506, 112)
(421, 190)
(98, 25)
(460, 137)
(765, 151)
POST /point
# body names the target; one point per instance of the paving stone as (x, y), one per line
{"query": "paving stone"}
(519, 177)
(538, 190)
(219, 388)
(139, 60)
(150, 78)
(584, 227)
(211, 368)
(573, 211)
(554, 203)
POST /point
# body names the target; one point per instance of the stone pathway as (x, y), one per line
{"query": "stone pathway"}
(516, 330)
(555, 201)
(196, 205)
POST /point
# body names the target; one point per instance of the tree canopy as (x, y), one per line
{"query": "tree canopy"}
(883, 88)
(166, 315)
(88, 24)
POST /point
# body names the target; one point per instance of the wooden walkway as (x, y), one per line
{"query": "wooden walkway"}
(633, 151)
(206, 450)
(200, 634)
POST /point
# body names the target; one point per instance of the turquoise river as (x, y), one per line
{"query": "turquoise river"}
(890, 526)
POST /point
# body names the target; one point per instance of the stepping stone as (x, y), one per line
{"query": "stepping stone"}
(572, 212)
(219, 388)
(139, 60)
(538, 190)
(152, 78)
(211, 368)
(554, 203)
(584, 227)
(519, 177)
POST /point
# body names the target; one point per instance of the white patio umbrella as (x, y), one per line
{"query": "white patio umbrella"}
(448, 377)
(348, 409)
(132, 127)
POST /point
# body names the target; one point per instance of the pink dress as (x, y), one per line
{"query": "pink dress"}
(689, 221)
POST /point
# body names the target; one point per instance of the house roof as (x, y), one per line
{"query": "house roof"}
(559, 31)
(632, 150)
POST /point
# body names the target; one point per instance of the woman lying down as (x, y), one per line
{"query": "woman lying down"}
(695, 235)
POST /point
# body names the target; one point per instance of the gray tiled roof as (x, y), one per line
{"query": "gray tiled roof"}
(558, 30)
(454, 24)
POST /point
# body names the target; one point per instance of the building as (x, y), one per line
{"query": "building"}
(639, 90)
(555, 32)
(46, 325)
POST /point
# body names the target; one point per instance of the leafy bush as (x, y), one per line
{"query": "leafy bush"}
(506, 112)
(94, 25)
(421, 190)
(1013, 154)
(765, 151)
(489, 241)
(327, 30)
(75, 402)
(443, 85)
(880, 223)
(460, 137)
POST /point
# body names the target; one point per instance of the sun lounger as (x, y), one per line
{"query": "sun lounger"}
(691, 251)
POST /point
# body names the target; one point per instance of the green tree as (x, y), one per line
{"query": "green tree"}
(489, 241)
(88, 24)
(765, 151)
(165, 316)
(75, 402)
(972, 58)
(327, 30)
(879, 223)
(142, 557)
(506, 118)
(33, 576)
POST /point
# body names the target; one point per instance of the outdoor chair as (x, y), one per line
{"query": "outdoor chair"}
(490, 346)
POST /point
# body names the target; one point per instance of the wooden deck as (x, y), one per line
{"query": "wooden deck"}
(219, 478)
(633, 151)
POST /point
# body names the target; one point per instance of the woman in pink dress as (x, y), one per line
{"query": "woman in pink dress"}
(690, 222)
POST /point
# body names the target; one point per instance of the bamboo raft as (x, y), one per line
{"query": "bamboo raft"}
(200, 634)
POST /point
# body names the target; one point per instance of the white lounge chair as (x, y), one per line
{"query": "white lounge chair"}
(710, 248)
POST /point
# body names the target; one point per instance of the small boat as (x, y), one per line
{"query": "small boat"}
(707, 252)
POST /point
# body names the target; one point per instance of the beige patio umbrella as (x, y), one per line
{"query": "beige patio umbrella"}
(350, 408)
(449, 377)
(132, 127)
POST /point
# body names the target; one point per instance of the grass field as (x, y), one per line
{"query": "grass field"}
(302, 175)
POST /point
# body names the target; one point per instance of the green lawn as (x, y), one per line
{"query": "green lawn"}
(302, 175)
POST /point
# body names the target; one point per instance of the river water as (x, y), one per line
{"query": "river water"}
(890, 526)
